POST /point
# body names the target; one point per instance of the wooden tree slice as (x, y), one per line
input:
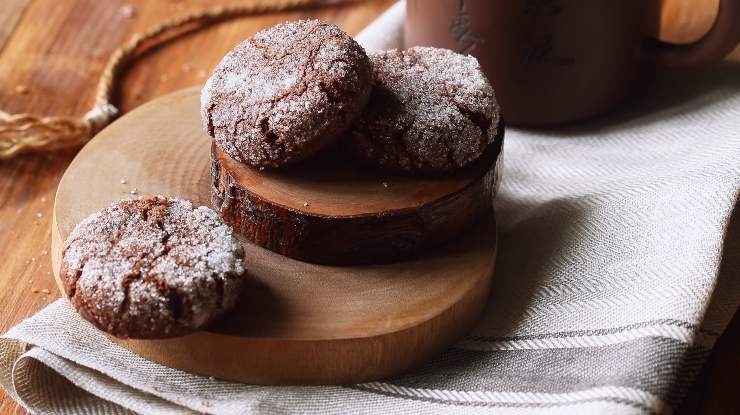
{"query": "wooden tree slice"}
(299, 323)
(331, 210)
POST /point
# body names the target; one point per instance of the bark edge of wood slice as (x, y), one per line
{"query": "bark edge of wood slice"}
(333, 210)
(301, 323)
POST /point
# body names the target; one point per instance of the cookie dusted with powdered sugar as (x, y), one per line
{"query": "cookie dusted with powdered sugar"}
(285, 93)
(153, 267)
(431, 111)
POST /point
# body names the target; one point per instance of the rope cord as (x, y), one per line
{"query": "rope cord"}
(21, 133)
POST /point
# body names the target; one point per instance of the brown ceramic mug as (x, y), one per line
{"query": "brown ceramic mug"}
(554, 61)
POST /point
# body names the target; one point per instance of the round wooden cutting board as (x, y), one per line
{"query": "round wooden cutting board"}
(299, 323)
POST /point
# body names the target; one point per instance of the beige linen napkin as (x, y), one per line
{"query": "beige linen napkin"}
(614, 279)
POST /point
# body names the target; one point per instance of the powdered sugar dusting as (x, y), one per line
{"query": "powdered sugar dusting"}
(431, 110)
(286, 92)
(152, 267)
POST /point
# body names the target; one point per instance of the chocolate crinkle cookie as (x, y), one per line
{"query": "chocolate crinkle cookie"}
(431, 111)
(153, 267)
(285, 93)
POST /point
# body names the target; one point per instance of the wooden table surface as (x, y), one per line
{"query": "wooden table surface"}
(51, 53)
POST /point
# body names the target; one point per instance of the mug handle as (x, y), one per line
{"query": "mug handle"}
(721, 39)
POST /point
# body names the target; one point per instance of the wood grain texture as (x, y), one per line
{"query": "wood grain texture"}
(12, 12)
(58, 48)
(357, 323)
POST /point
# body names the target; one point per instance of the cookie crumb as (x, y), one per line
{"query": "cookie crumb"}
(21, 89)
(385, 184)
(33, 259)
(133, 191)
(127, 11)
(305, 204)
(43, 199)
(39, 214)
(44, 252)
(123, 181)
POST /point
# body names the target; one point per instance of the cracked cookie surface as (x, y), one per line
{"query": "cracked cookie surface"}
(431, 111)
(285, 93)
(153, 267)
